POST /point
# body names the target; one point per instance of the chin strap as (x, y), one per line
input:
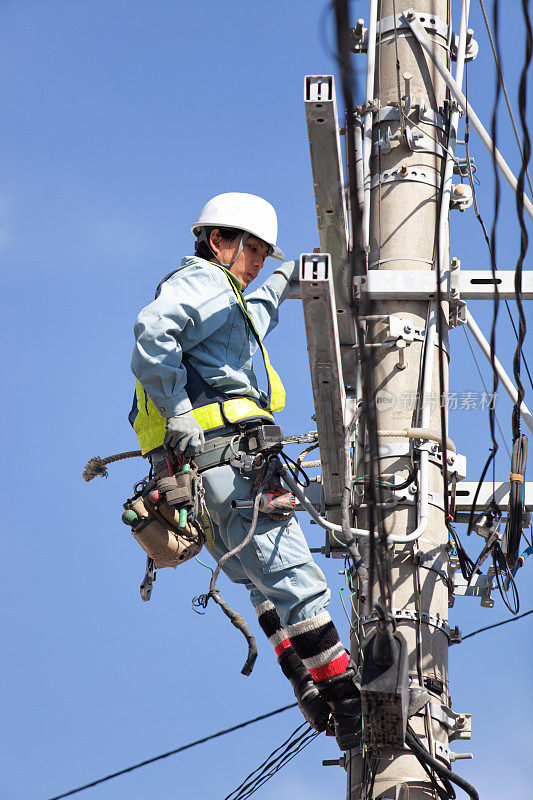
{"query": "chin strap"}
(205, 240)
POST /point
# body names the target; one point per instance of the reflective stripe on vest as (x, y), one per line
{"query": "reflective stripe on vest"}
(276, 390)
(150, 426)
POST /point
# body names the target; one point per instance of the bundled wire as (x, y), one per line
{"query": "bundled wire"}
(491, 243)
(513, 529)
(369, 770)
(507, 586)
(446, 791)
(381, 565)
(519, 456)
(504, 87)
(289, 749)
(524, 239)
(496, 210)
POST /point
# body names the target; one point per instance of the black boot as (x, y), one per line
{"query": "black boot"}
(344, 700)
(313, 707)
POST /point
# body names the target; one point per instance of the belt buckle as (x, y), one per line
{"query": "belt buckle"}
(244, 462)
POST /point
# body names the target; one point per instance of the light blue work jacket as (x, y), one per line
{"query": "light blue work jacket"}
(197, 313)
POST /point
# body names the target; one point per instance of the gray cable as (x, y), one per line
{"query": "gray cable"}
(504, 86)
(486, 390)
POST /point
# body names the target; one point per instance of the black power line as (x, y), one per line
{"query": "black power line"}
(497, 624)
(173, 752)
(504, 86)
(242, 725)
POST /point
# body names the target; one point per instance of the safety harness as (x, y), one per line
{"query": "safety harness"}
(212, 408)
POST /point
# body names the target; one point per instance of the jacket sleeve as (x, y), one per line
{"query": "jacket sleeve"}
(191, 306)
(263, 304)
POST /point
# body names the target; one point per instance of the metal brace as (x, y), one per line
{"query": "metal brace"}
(147, 585)
(383, 145)
(401, 328)
(460, 167)
(455, 461)
(418, 141)
(429, 117)
(443, 752)
(459, 725)
(400, 333)
(457, 310)
(481, 586)
(430, 22)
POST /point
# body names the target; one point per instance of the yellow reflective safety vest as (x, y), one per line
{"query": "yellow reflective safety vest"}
(212, 408)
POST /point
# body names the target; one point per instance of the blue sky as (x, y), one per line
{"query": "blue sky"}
(120, 120)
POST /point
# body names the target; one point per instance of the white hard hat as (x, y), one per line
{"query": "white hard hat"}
(247, 212)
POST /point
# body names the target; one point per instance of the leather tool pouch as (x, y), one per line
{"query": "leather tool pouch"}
(156, 526)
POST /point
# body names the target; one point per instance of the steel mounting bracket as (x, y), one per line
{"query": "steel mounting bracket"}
(418, 141)
(431, 22)
(459, 725)
(481, 586)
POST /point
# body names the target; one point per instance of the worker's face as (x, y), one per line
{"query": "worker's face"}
(250, 261)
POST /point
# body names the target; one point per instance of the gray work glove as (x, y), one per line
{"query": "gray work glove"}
(185, 435)
(290, 269)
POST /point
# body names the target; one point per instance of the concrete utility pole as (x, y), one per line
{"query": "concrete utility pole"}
(407, 171)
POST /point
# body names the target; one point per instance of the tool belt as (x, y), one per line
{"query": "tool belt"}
(165, 515)
(245, 450)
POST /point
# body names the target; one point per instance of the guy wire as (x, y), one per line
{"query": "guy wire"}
(524, 240)
(479, 218)
(504, 87)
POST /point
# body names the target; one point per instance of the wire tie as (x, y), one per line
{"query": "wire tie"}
(516, 477)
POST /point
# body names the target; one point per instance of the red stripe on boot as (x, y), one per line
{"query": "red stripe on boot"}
(335, 667)
(279, 648)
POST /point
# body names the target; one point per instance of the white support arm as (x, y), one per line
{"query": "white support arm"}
(505, 380)
(426, 43)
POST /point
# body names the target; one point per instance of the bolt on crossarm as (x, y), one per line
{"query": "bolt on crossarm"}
(410, 174)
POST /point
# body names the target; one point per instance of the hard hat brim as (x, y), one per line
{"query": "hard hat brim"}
(274, 251)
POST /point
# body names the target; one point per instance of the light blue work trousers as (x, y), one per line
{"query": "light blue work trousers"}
(277, 564)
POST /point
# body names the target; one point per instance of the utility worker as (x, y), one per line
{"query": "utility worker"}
(197, 391)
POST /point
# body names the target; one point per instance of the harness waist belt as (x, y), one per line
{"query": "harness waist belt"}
(221, 449)
(218, 451)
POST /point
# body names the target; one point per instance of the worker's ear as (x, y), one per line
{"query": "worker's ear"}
(214, 240)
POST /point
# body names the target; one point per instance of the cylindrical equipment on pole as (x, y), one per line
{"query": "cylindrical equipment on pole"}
(408, 230)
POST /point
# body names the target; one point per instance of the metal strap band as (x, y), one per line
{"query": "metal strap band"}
(414, 174)
(413, 616)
